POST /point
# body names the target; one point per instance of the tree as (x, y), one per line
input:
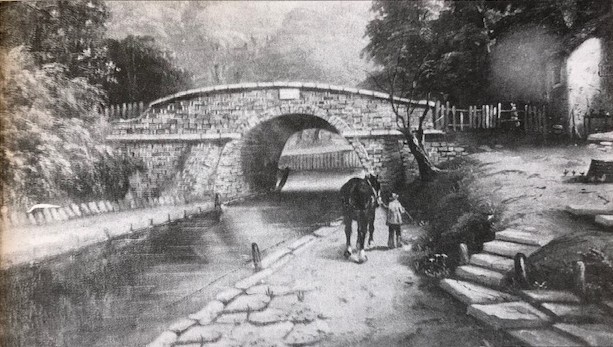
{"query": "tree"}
(70, 33)
(144, 71)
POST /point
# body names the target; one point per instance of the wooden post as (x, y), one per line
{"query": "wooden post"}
(257, 256)
(545, 122)
(470, 117)
(124, 110)
(580, 279)
(521, 274)
(445, 115)
(499, 115)
(437, 110)
(141, 108)
(461, 121)
(464, 255)
(454, 120)
(526, 118)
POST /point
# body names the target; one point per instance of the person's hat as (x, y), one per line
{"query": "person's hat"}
(394, 196)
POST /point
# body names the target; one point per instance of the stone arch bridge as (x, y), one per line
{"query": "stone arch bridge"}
(228, 139)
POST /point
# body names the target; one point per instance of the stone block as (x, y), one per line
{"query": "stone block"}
(227, 295)
(76, 210)
(199, 335)
(470, 293)
(604, 220)
(181, 325)
(569, 313)
(492, 262)
(540, 296)
(590, 334)
(523, 237)
(480, 275)
(93, 207)
(208, 313)
(543, 337)
(508, 249)
(101, 206)
(589, 210)
(165, 339)
(268, 316)
(232, 318)
(510, 315)
(244, 303)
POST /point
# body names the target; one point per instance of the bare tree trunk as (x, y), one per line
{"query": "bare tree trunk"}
(427, 170)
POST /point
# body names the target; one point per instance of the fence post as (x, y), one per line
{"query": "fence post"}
(435, 115)
(499, 120)
(526, 119)
(461, 121)
(445, 114)
(454, 120)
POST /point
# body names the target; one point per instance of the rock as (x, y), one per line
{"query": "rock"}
(306, 334)
(485, 148)
(480, 275)
(543, 337)
(232, 318)
(470, 293)
(539, 296)
(285, 303)
(508, 249)
(199, 334)
(181, 325)
(268, 316)
(575, 313)
(492, 262)
(524, 237)
(592, 334)
(509, 315)
(268, 289)
(606, 143)
(246, 303)
(227, 295)
(165, 339)
(208, 313)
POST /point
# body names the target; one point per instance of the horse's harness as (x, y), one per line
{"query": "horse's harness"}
(372, 201)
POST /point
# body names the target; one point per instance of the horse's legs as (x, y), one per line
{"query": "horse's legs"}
(371, 229)
(362, 225)
(347, 221)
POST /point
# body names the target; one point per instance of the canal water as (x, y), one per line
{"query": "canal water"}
(127, 291)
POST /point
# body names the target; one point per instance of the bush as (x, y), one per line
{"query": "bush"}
(50, 131)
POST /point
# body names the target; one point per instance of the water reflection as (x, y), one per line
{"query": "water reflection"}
(124, 292)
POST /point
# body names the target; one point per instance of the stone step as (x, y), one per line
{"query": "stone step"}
(543, 337)
(510, 315)
(559, 296)
(480, 275)
(492, 262)
(604, 220)
(572, 313)
(591, 334)
(589, 210)
(470, 293)
(523, 237)
(508, 249)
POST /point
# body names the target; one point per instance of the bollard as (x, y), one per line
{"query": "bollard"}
(580, 279)
(131, 228)
(185, 214)
(217, 200)
(257, 257)
(521, 274)
(464, 256)
(151, 222)
(199, 210)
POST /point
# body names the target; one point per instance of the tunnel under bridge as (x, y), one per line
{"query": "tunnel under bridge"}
(228, 139)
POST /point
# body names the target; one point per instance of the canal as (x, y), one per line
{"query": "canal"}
(126, 291)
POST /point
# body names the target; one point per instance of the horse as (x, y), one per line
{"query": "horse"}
(360, 198)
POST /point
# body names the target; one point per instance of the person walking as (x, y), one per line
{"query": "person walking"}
(394, 221)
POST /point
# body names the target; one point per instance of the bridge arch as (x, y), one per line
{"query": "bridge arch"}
(218, 139)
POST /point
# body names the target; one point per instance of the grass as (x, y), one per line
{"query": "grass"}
(450, 213)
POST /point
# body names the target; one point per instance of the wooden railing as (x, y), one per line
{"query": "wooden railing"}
(123, 111)
(317, 161)
(529, 118)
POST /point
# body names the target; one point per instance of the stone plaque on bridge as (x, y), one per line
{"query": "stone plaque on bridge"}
(289, 93)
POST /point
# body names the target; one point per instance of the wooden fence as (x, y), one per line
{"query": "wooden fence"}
(529, 118)
(123, 111)
(316, 161)
(597, 122)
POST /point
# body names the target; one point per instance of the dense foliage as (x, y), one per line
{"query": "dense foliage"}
(457, 50)
(53, 135)
(144, 72)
